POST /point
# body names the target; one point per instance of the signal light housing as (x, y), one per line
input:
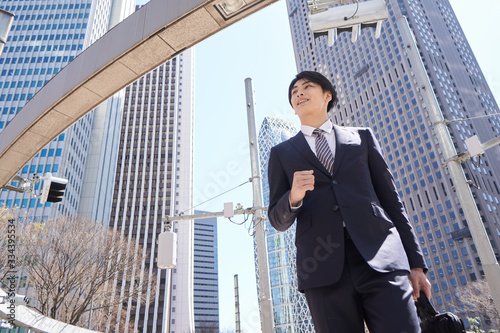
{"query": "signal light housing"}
(53, 189)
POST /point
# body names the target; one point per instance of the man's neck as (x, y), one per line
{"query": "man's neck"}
(316, 123)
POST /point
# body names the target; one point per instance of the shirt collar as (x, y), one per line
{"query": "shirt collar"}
(308, 130)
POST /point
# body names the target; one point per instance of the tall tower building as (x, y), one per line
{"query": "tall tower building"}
(206, 275)
(376, 83)
(291, 313)
(45, 36)
(154, 179)
(129, 162)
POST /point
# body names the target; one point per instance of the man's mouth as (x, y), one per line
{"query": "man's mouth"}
(302, 101)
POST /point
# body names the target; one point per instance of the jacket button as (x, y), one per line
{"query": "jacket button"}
(334, 182)
(335, 208)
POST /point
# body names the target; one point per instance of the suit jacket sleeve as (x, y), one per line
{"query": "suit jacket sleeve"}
(385, 188)
(280, 213)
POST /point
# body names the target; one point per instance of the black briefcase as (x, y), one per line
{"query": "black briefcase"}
(433, 322)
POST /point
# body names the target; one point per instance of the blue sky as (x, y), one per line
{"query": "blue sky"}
(260, 47)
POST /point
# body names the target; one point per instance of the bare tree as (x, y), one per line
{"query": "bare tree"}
(12, 250)
(207, 327)
(72, 264)
(477, 296)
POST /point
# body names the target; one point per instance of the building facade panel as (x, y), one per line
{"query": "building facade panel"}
(206, 276)
(44, 38)
(376, 85)
(154, 180)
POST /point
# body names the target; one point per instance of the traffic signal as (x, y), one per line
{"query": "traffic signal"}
(167, 250)
(21, 300)
(53, 189)
(330, 21)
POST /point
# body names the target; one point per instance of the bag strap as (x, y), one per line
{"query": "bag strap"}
(425, 310)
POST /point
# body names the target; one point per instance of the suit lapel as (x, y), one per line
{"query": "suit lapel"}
(343, 138)
(301, 145)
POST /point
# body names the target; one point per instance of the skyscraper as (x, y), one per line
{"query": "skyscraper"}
(142, 138)
(289, 305)
(98, 179)
(206, 275)
(153, 180)
(46, 36)
(376, 85)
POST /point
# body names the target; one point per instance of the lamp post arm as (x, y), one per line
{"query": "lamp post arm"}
(246, 211)
(491, 143)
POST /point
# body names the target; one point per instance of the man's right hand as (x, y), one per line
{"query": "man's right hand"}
(303, 181)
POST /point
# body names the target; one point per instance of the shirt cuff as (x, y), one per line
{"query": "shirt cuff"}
(294, 209)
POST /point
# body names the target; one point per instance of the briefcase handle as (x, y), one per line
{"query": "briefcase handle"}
(425, 310)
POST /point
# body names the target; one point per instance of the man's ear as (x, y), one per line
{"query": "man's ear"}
(329, 95)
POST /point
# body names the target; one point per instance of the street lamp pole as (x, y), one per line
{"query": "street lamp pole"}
(266, 306)
(452, 162)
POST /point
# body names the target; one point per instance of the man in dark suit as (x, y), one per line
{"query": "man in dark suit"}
(357, 255)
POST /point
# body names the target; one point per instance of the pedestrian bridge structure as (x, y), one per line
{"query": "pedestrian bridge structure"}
(155, 33)
(22, 316)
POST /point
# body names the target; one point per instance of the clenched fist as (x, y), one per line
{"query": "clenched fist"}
(303, 181)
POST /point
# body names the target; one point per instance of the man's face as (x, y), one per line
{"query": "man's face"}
(309, 100)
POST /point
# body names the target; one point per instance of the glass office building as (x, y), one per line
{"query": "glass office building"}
(45, 36)
(206, 275)
(376, 85)
(289, 305)
(154, 179)
(129, 163)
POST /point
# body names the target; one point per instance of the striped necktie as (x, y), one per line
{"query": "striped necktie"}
(323, 151)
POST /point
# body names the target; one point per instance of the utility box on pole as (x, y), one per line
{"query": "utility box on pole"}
(167, 250)
(474, 146)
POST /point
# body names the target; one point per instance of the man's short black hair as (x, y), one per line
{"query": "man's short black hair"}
(317, 78)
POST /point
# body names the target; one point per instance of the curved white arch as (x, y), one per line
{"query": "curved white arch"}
(152, 35)
(22, 316)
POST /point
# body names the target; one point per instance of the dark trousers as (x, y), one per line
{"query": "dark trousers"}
(382, 300)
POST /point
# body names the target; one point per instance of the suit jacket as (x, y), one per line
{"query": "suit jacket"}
(361, 193)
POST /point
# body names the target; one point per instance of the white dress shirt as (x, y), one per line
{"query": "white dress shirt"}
(328, 133)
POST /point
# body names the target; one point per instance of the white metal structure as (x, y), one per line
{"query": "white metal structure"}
(330, 20)
(167, 250)
(22, 316)
(154, 34)
(6, 20)
(266, 302)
